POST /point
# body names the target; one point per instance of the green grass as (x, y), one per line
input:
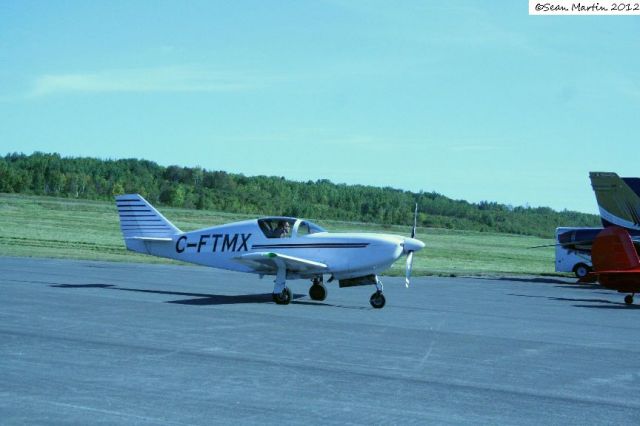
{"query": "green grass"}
(80, 229)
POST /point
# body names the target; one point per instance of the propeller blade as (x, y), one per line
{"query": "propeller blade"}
(409, 266)
(415, 222)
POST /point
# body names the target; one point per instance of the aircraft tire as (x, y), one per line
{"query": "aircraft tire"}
(377, 300)
(318, 292)
(283, 298)
(628, 299)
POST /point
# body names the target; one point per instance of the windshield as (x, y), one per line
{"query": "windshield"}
(276, 227)
(284, 227)
(307, 228)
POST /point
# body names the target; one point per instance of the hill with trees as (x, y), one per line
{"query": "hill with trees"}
(194, 187)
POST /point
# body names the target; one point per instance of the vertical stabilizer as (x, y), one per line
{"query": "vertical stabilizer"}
(613, 250)
(618, 204)
(140, 220)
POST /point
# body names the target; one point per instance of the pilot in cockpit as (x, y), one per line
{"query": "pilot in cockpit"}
(282, 230)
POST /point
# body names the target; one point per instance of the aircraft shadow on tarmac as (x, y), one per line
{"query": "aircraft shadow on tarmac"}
(594, 303)
(560, 283)
(586, 286)
(197, 298)
(201, 299)
(536, 280)
(613, 305)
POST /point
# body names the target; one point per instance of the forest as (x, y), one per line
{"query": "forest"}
(194, 187)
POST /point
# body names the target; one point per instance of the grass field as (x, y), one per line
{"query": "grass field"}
(80, 229)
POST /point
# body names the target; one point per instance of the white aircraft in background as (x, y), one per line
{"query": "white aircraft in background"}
(286, 247)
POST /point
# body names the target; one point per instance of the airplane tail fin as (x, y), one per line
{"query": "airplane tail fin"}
(613, 251)
(140, 221)
(619, 203)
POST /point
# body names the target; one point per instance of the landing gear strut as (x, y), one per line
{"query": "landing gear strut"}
(377, 299)
(282, 294)
(318, 291)
(628, 299)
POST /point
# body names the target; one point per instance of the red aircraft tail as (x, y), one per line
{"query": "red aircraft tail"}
(616, 262)
(613, 251)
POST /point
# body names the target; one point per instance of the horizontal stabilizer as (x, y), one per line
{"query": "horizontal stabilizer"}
(159, 239)
(634, 271)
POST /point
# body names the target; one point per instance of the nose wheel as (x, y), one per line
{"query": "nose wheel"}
(377, 300)
(628, 299)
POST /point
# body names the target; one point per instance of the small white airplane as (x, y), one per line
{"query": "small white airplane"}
(286, 247)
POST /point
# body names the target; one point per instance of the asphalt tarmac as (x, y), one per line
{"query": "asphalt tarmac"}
(110, 343)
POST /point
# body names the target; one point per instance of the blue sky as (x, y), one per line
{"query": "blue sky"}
(475, 100)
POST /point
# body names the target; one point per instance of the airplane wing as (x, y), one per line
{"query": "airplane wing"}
(266, 262)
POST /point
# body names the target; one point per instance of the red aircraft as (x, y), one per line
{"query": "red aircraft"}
(615, 262)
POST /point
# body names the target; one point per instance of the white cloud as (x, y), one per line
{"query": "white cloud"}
(164, 79)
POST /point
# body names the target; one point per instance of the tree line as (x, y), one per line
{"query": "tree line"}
(197, 188)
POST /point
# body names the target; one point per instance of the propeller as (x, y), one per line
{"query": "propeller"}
(409, 266)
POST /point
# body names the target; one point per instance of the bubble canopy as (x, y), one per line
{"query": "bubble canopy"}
(287, 227)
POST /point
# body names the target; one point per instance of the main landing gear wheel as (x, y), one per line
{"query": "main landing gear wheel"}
(628, 299)
(283, 298)
(377, 300)
(318, 292)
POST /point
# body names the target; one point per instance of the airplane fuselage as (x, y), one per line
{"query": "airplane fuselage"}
(347, 255)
